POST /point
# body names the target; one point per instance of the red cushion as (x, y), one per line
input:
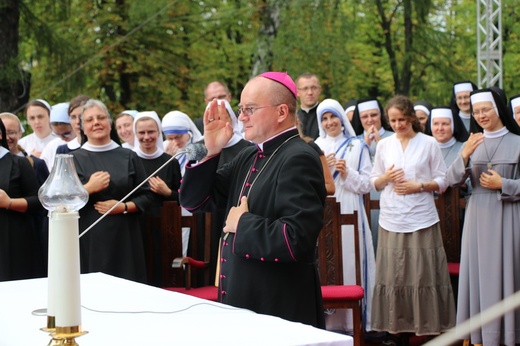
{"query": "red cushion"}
(206, 292)
(347, 292)
(453, 268)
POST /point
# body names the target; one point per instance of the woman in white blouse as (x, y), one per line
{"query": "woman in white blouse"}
(413, 293)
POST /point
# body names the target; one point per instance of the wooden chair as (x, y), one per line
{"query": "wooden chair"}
(450, 207)
(335, 294)
(180, 267)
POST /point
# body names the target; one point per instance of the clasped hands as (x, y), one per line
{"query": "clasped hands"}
(490, 179)
(401, 185)
(340, 165)
(372, 134)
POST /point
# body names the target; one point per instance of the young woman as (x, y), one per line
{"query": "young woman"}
(164, 185)
(349, 162)
(124, 126)
(413, 293)
(37, 113)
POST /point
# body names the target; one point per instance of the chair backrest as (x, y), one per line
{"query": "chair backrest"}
(172, 222)
(329, 244)
(451, 206)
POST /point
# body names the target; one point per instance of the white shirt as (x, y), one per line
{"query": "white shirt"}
(32, 142)
(422, 161)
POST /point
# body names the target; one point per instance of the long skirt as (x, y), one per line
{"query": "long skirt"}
(413, 293)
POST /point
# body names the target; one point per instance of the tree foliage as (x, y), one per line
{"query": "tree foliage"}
(159, 55)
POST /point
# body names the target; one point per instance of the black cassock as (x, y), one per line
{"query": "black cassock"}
(115, 245)
(269, 265)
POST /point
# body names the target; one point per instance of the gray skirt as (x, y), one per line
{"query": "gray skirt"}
(413, 291)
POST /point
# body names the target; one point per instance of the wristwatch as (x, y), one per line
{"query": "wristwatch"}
(421, 190)
(126, 209)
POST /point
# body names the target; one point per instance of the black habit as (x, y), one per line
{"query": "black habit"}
(115, 245)
(20, 255)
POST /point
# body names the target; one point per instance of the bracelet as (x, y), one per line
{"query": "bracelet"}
(126, 209)
(10, 203)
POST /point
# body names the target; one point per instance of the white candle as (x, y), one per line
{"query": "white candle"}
(64, 297)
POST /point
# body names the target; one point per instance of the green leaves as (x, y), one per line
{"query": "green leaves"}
(160, 55)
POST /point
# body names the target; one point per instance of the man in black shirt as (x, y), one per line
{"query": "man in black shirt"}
(309, 89)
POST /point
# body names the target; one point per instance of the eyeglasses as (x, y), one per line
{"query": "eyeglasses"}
(12, 133)
(483, 111)
(248, 111)
(370, 115)
(311, 88)
(462, 98)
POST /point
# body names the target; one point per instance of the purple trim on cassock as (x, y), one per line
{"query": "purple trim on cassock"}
(287, 242)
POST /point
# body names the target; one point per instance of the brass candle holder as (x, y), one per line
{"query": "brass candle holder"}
(66, 336)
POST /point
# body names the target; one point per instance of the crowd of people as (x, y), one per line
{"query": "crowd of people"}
(269, 167)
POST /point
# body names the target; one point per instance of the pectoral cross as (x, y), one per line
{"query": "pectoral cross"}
(350, 146)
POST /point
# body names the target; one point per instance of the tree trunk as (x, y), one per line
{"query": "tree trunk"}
(9, 75)
(262, 59)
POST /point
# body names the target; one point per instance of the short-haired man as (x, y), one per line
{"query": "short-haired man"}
(309, 90)
(214, 90)
(274, 212)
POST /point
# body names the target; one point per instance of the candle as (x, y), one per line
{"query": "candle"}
(63, 195)
(64, 298)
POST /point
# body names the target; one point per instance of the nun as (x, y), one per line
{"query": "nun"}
(349, 109)
(370, 124)
(460, 104)
(514, 108)
(19, 252)
(124, 127)
(490, 260)
(349, 162)
(180, 131)
(449, 131)
(148, 145)
(422, 110)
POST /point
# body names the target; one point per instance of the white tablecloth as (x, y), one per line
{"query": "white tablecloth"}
(134, 314)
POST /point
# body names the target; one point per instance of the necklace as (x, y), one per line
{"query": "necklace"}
(489, 164)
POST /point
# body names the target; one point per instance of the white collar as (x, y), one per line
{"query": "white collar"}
(448, 144)
(3, 152)
(99, 148)
(495, 134)
(73, 144)
(261, 145)
(464, 115)
(158, 152)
